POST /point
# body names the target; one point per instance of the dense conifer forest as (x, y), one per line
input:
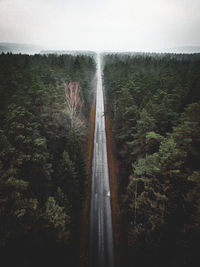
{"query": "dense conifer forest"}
(44, 106)
(154, 103)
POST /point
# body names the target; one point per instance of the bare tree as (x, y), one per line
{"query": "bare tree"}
(74, 104)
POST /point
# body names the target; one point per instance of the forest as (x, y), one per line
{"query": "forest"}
(45, 101)
(154, 106)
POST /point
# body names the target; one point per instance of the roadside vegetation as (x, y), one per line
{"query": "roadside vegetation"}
(154, 106)
(45, 103)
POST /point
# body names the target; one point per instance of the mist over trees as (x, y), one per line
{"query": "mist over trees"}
(42, 157)
(154, 103)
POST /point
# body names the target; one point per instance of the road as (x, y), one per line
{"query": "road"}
(101, 233)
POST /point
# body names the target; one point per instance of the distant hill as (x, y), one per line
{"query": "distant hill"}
(176, 50)
(182, 50)
(16, 48)
(36, 49)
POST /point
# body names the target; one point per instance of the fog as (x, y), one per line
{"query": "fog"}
(141, 25)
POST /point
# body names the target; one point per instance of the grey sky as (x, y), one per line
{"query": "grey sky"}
(101, 24)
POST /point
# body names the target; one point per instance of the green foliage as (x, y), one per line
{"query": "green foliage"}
(42, 172)
(60, 220)
(158, 143)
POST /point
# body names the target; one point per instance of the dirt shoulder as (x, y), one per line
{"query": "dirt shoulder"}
(85, 216)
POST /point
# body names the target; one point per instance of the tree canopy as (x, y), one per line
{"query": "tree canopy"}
(154, 103)
(42, 165)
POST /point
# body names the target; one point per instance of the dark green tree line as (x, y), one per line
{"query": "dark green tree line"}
(42, 168)
(155, 108)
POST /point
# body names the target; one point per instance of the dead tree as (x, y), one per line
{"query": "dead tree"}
(74, 104)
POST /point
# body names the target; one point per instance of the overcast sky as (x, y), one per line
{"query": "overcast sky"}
(101, 24)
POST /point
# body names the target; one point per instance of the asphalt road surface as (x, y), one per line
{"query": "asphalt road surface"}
(101, 234)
